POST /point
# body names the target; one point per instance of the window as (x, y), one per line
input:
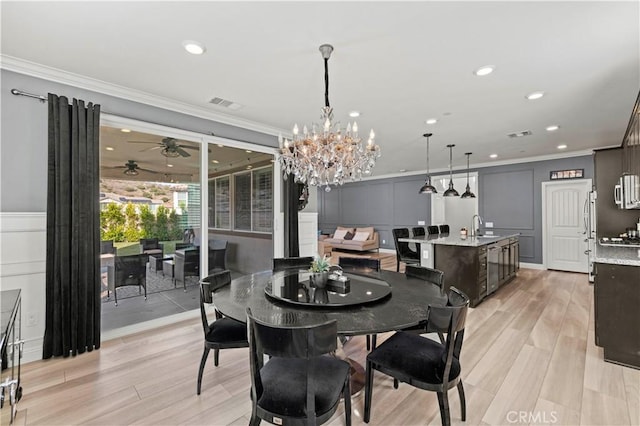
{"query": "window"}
(251, 205)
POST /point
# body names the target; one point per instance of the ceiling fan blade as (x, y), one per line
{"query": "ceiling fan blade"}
(188, 147)
(149, 171)
(182, 152)
(157, 143)
(150, 149)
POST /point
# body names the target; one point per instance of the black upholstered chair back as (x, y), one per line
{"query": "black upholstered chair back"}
(208, 286)
(130, 268)
(433, 229)
(402, 248)
(149, 244)
(284, 263)
(362, 265)
(444, 229)
(418, 231)
(106, 247)
(434, 276)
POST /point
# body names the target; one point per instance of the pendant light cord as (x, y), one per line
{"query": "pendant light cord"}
(427, 156)
(450, 163)
(326, 82)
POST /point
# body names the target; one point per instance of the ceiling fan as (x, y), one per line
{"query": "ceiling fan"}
(170, 147)
(131, 168)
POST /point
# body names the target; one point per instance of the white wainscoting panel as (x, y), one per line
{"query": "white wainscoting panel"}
(23, 243)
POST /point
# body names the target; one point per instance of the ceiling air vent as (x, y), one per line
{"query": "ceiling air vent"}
(225, 103)
(520, 134)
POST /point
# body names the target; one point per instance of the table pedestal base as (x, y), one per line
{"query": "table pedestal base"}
(357, 376)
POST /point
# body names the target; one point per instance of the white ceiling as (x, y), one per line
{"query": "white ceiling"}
(399, 63)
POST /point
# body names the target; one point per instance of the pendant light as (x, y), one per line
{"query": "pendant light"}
(451, 192)
(468, 193)
(427, 188)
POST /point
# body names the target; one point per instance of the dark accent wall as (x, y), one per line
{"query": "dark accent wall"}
(610, 220)
(510, 196)
(23, 151)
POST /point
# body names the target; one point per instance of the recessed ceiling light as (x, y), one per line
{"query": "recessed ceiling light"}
(215, 161)
(354, 114)
(109, 148)
(493, 156)
(432, 121)
(535, 95)
(485, 70)
(193, 47)
(552, 128)
(248, 150)
(563, 146)
(403, 170)
(220, 145)
(169, 165)
(125, 130)
(249, 167)
(272, 160)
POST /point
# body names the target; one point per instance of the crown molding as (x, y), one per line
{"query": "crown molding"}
(33, 69)
(445, 170)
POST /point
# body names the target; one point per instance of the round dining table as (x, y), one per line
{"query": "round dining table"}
(405, 306)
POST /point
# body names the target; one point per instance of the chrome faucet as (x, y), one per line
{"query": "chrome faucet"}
(474, 230)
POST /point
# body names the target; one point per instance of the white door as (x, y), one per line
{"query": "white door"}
(564, 239)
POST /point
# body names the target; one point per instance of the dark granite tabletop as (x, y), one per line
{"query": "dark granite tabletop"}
(405, 307)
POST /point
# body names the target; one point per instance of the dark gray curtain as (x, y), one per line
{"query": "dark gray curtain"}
(73, 229)
(291, 199)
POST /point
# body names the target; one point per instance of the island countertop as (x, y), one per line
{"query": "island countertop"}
(457, 240)
(617, 255)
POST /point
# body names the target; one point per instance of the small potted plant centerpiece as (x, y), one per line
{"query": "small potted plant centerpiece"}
(319, 272)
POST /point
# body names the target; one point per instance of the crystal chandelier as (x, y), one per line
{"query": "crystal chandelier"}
(327, 155)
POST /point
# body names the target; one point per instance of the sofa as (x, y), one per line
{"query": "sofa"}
(355, 239)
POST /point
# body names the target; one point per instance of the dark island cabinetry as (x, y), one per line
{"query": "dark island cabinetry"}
(617, 312)
(478, 270)
(464, 268)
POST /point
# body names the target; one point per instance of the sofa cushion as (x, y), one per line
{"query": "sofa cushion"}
(369, 230)
(361, 236)
(348, 236)
(340, 234)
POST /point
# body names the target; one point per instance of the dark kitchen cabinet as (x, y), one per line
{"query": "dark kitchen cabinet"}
(617, 312)
(464, 268)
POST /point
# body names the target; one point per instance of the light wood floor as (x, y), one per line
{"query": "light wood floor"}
(528, 358)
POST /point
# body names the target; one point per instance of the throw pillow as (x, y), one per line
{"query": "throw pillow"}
(339, 234)
(348, 236)
(361, 236)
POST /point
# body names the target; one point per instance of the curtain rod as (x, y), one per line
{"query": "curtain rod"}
(42, 99)
(30, 95)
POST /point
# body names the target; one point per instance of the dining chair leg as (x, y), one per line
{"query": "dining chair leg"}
(346, 394)
(216, 356)
(443, 402)
(463, 403)
(395, 383)
(255, 420)
(203, 361)
(374, 340)
(368, 390)
(368, 342)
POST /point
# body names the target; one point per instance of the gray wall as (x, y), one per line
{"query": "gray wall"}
(509, 196)
(23, 146)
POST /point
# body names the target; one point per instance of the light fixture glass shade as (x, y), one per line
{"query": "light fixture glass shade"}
(427, 188)
(171, 153)
(131, 172)
(467, 193)
(325, 154)
(451, 192)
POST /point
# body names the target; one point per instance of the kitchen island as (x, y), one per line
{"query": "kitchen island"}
(476, 265)
(617, 303)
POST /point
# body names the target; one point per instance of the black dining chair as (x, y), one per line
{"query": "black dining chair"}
(428, 275)
(361, 265)
(403, 252)
(444, 229)
(422, 362)
(223, 333)
(284, 263)
(300, 383)
(433, 230)
(418, 231)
